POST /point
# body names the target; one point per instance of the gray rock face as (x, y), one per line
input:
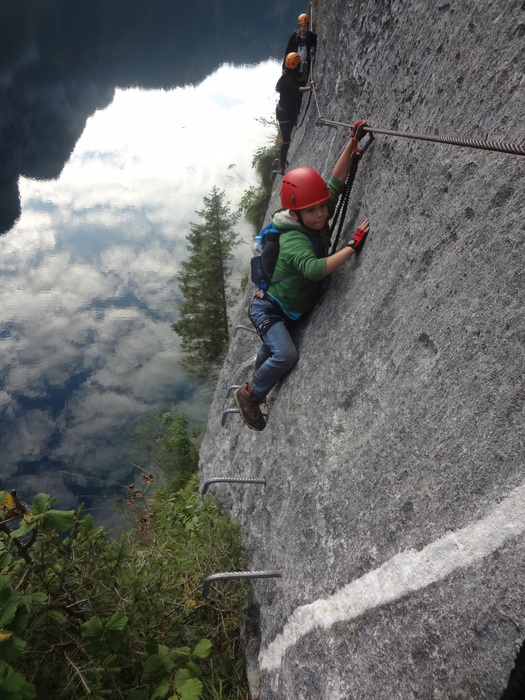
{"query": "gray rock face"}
(394, 503)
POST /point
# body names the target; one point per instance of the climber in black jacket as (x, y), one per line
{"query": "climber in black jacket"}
(304, 42)
(290, 95)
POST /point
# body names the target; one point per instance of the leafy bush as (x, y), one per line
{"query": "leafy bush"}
(83, 615)
(254, 202)
(165, 443)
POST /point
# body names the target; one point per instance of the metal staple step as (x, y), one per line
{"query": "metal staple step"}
(236, 576)
(230, 480)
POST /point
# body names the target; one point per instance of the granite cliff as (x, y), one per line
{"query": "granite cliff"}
(394, 503)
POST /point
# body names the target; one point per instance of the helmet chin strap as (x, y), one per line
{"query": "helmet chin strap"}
(297, 214)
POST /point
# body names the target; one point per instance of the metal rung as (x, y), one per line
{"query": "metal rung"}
(225, 413)
(231, 389)
(230, 480)
(250, 329)
(236, 575)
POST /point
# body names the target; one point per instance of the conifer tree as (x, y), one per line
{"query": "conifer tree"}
(204, 324)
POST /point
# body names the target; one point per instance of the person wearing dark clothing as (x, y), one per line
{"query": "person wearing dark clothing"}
(290, 94)
(304, 42)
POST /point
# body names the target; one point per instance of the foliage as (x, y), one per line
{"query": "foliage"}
(263, 160)
(244, 281)
(14, 614)
(204, 324)
(254, 202)
(86, 616)
(166, 442)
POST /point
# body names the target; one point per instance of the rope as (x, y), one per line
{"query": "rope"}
(310, 77)
(343, 206)
(306, 110)
(345, 197)
(515, 149)
(317, 104)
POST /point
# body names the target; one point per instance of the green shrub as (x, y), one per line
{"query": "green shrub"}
(254, 202)
(83, 615)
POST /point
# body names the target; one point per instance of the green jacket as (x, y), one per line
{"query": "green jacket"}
(298, 293)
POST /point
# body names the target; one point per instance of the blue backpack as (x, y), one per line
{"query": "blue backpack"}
(262, 274)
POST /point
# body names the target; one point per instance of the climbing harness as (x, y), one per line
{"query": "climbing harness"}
(356, 154)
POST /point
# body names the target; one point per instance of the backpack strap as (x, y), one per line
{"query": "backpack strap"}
(313, 242)
(282, 277)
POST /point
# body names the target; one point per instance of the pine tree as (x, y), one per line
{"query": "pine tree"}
(204, 324)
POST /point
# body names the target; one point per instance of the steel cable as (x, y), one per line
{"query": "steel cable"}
(515, 149)
(311, 77)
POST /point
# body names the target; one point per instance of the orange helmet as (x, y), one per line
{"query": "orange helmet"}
(303, 19)
(292, 60)
(302, 188)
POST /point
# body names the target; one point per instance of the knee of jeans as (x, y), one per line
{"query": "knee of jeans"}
(289, 356)
(260, 359)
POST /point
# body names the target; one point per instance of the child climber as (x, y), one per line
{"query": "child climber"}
(302, 265)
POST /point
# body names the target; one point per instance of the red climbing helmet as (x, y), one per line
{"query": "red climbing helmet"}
(303, 19)
(292, 60)
(302, 188)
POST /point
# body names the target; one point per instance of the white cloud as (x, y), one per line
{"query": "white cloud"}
(168, 148)
(88, 274)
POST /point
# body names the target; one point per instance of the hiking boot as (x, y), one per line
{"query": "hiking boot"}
(249, 408)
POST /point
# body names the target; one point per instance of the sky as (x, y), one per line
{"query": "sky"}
(88, 275)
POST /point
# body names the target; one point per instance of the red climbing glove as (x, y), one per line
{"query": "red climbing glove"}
(358, 241)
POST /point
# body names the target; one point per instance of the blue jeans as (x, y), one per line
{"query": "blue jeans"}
(277, 354)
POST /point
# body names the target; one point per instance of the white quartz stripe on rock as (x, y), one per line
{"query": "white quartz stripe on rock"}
(405, 572)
